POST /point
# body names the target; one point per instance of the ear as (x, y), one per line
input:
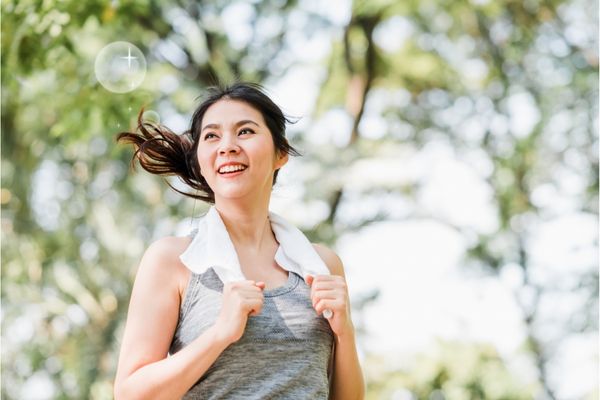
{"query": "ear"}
(282, 159)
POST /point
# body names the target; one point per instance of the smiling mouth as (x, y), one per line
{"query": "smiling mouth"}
(232, 173)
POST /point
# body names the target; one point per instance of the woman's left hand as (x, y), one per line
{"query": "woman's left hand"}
(331, 292)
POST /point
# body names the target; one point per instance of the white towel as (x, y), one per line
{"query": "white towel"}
(212, 247)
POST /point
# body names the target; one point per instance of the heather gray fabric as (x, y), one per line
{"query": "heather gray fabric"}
(284, 352)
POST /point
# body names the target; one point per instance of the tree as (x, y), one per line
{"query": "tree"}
(455, 71)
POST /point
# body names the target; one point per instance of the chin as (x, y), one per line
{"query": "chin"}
(232, 193)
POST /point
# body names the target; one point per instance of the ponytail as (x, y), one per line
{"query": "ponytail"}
(160, 151)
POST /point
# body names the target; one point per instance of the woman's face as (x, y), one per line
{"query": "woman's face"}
(234, 131)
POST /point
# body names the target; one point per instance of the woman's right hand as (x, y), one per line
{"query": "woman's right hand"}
(241, 299)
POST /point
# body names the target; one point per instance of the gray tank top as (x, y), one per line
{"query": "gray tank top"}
(286, 352)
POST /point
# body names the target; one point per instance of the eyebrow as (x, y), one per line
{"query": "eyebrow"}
(239, 123)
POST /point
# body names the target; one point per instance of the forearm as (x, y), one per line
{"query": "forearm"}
(172, 377)
(348, 380)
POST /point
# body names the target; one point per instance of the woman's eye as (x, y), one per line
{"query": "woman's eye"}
(208, 135)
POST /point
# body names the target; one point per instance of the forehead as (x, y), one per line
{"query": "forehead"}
(230, 111)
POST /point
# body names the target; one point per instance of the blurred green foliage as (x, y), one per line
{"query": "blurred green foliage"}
(75, 221)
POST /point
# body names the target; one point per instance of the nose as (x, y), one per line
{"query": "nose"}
(228, 144)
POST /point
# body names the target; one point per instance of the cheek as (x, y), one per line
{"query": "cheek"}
(263, 163)
(203, 162)
(262, 153)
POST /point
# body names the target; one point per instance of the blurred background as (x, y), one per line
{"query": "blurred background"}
(450, 159)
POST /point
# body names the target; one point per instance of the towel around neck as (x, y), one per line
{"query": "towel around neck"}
(211, 246)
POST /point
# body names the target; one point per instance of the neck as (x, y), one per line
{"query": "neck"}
(248, 226)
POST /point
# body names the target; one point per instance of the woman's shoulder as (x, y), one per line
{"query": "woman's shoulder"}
(162, 256)
(167, 249)
(330, 258)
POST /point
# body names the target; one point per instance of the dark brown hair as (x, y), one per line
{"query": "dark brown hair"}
(161, 151)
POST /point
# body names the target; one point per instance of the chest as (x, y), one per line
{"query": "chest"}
(263, 268)
(287, 313)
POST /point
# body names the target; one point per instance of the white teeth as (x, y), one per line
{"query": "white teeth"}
(231, 168)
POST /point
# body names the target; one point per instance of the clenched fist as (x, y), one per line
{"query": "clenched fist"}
(241, 299)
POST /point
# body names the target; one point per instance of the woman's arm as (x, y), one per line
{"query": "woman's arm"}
(347, 380)
(144, 371)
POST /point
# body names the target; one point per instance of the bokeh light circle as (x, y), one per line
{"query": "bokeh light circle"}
(151, 116)
(120, 67)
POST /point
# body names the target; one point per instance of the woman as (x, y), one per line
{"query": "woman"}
(252, 331)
